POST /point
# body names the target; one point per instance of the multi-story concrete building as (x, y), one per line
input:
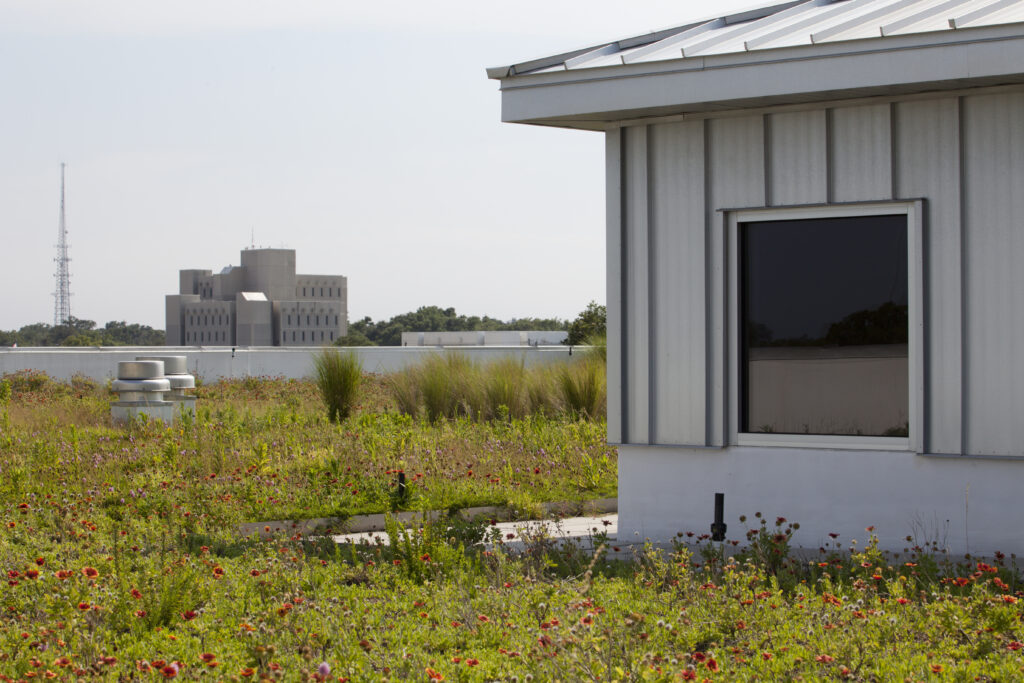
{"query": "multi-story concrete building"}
(262, 302)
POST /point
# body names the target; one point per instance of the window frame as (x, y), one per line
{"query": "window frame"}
(914, 212)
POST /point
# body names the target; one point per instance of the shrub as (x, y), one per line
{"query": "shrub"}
(338, 376)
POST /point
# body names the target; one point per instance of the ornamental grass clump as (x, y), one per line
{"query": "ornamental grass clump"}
(505, 389)
(583, 388)
(338, 378)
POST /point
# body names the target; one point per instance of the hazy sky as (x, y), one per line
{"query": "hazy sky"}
(364, 135)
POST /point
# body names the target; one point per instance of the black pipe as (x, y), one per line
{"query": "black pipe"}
(718, 526)
(401, 485)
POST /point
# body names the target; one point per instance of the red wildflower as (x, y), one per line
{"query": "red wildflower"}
(1014, 645)
(482, 617)
(254, 572)
(218, 572)
(83, 606)
(40, 561)
(140, 613)
(712, 664)
(472, 662)
(90, 572)
(136, 594)
(425, 557)
(170, 671)
(207, 657)
(246, 672)
(689, 675)
(434, 675)
(32, 573)
(698, 657)
(189, 615)
(936, 668)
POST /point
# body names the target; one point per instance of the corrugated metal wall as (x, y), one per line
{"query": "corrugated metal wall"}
(667, 185)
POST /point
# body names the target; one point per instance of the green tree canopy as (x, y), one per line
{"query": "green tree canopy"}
(588, 325)
(435, 319)
(80, 332)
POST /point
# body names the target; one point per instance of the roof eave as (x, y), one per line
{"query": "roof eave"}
(593, 98)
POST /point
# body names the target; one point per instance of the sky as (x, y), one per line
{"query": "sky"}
(364, 135)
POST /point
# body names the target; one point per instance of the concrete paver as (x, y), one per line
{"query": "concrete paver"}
(582, 530)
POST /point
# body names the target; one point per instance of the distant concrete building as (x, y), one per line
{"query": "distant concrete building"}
(485, 338)
(262, 302)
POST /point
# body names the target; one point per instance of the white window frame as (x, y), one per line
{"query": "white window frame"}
(914, 212)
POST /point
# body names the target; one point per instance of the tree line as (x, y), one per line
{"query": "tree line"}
(79, 332)
(366, 332)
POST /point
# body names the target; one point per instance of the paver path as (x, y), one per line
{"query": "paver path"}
(579, 529)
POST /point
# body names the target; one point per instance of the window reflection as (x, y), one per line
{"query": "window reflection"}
(823, 322)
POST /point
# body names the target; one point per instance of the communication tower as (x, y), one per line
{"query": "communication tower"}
(62, 303)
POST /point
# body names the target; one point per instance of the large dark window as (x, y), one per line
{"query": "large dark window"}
(824, 326)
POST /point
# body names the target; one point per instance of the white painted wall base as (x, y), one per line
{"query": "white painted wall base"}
(212, 363)
(973, 504)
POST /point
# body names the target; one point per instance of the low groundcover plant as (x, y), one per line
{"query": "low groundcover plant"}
(124, 561)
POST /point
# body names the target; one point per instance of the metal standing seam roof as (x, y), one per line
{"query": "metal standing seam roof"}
(791, 24)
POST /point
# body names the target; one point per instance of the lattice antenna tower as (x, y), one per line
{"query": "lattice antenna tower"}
(62, 297)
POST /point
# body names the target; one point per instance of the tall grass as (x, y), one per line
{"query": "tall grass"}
(583, 388)
(338, 377)
(452, 385)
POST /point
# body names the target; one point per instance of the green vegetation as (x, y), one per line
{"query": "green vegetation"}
(338, 376)
(264, 449)
(366, 332)
(77, 332)
(124, 562)
(452, 386)
(589, 325)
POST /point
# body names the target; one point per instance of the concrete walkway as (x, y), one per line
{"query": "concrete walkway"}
(582, 530)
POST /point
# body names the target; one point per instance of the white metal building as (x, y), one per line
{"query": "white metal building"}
(815, 231)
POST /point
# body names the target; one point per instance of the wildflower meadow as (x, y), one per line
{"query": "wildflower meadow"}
(124, 559)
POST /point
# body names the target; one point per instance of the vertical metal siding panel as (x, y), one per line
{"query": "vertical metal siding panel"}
(994, 250)
(677, 225)
(928, 154)
(637, 359)
(798, 158)
(735, 177)
(613, 257)
(861, 153)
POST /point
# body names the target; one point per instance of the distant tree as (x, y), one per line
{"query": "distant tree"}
(120, 333)
(354, 338)
(435, 319)
(590, 323)
(80, 332)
